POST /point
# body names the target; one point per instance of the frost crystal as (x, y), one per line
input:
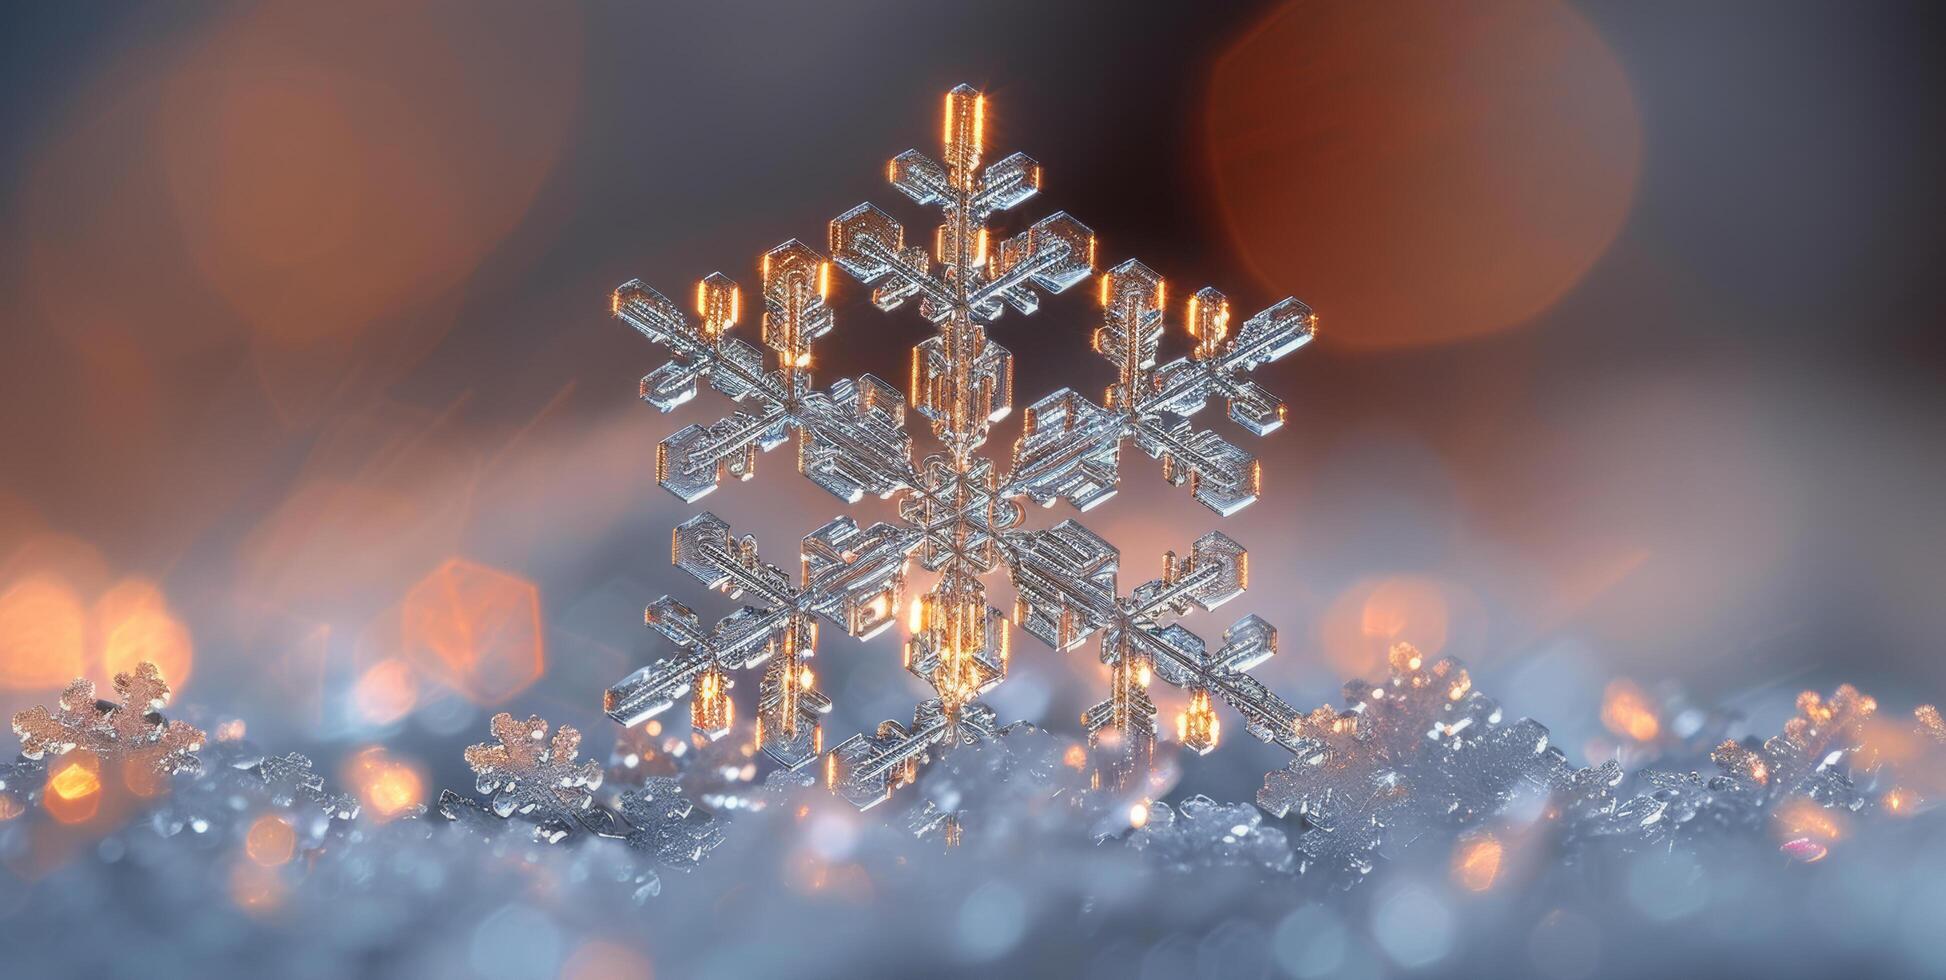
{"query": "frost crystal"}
(290, 779)
(666, 824)
(133, 724)
(1818, 753)
(1420, 751)
(960, 513)
(1680, 804)
(1921, 782)
(526, 773)
(1817, 761)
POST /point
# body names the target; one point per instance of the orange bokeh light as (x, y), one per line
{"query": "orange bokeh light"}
(1627, 712)
(48, 637)
(255, 888)
(270, 841)
(325, 173)
(43, 633)
(388, 786)
(598, 959)
(475, 629)
(1425, 172)
(74, 788)
(385, 692)
(140, 775)
(133, 623)
(1807, 830)
(1364, 621)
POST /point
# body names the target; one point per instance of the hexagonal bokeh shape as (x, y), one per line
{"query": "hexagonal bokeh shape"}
(475, 629)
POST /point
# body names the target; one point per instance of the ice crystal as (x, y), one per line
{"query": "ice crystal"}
(1421, 751)
(1201, 832)
(239, 786)
(1930, 725)
(961, 514)
(525, 773)
(667, 825)
(1675, 805)
(1921, 779)
(1817, 756)
(290, 780)
(131, 724)
(1343, 789)
(20, 785)
(1577, 796)
(529, 774)
(1816, 761)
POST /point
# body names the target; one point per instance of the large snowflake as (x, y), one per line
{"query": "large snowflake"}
(962, 514)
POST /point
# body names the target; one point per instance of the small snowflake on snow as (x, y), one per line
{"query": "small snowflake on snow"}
(1816, 761)
(1419, 752)
(133, 723)
(663, 822)
(527, 773)
(292, 779)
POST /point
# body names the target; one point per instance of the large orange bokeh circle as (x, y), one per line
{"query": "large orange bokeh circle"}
(330, 165)
(1422, 172)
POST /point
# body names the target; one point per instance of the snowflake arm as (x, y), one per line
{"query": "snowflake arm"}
(852, 438)
(1219, 366)
(1222, 672)
(656, 688)
(851, 576)
(1070, 449)
(961, 381)
(1065, 577)
(866, 769)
